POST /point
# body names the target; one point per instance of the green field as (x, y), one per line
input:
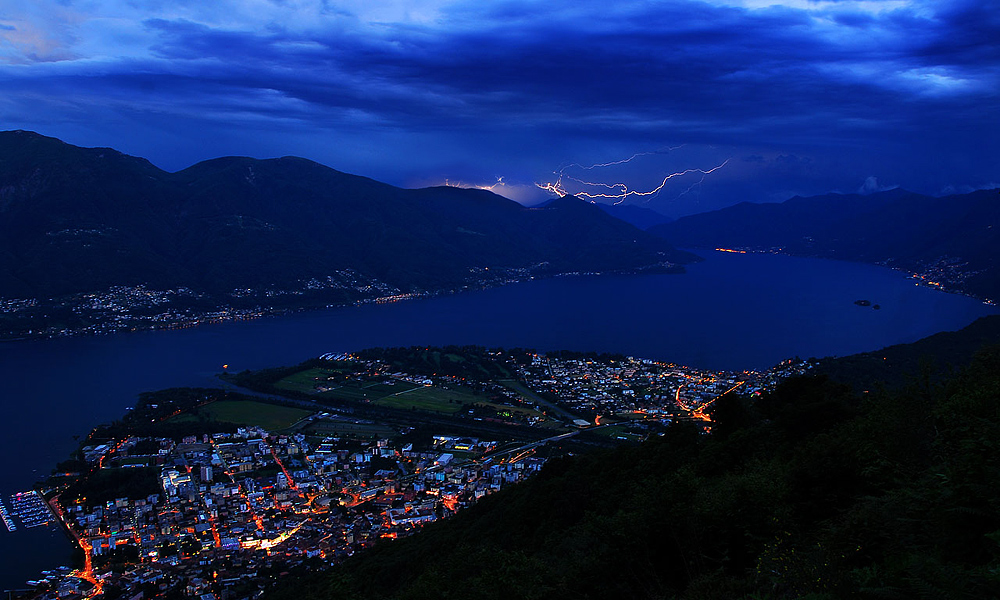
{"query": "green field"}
(306, 381)
(435, 399)
(272, 417)
(340, 389)
(371, 392)
(432, 399)
(619, 432)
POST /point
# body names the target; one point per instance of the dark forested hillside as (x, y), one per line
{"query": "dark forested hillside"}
(811, 491)
(936, 357)
(82, 219)
(640, 216)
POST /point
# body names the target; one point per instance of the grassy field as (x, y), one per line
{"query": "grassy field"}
(306, 382)
(432, 399)
(619, 432)
(272, 417)
(435, 399)
(371, 392)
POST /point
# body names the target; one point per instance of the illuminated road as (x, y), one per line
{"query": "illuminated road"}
(534, 445)
(699, 413)
(87, 574)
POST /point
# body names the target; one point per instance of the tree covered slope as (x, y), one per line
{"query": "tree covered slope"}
(810, 492)
(82, 219)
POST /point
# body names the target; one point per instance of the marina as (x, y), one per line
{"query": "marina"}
(30, 509)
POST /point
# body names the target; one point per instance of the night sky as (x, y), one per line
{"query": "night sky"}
(789, 96)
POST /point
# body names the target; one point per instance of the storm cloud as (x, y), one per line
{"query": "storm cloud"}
(417, 92)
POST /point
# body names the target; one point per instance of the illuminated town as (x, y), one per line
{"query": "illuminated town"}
(223, 514)
(141, 307)
(944, 273)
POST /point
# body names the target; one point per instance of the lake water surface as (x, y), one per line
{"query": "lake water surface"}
(732, 311)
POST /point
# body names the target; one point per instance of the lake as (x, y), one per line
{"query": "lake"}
(732, 311)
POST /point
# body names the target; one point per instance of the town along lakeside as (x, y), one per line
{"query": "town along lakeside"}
(714, 317)
(124, 308)
(201, 492)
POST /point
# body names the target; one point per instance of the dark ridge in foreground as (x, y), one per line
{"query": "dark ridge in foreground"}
(935, 357)
(811, 491)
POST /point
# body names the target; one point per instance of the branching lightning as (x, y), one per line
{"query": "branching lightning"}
(624, 160)
(567, 182)
(619, 192)
(459, 184)
(499, 183)
(691, 187)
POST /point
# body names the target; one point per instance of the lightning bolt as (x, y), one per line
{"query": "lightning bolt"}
(619, 192)
(624, 160)
(690, 187)
(499, 183)
(556, 186)
(458, 184)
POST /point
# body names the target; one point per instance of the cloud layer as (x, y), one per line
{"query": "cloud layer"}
(806, 96)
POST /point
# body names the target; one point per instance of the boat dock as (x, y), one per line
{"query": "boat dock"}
(7, 520)
(30, 509)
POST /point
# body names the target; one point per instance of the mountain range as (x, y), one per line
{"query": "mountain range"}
(952, 240)
(82, 219)
(640, 216)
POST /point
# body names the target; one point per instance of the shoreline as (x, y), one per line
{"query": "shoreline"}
(223, 313)
(919, 278)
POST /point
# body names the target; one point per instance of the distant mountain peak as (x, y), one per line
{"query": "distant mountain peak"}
(951, 240)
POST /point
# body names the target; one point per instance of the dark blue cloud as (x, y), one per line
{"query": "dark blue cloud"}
(907, 95)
